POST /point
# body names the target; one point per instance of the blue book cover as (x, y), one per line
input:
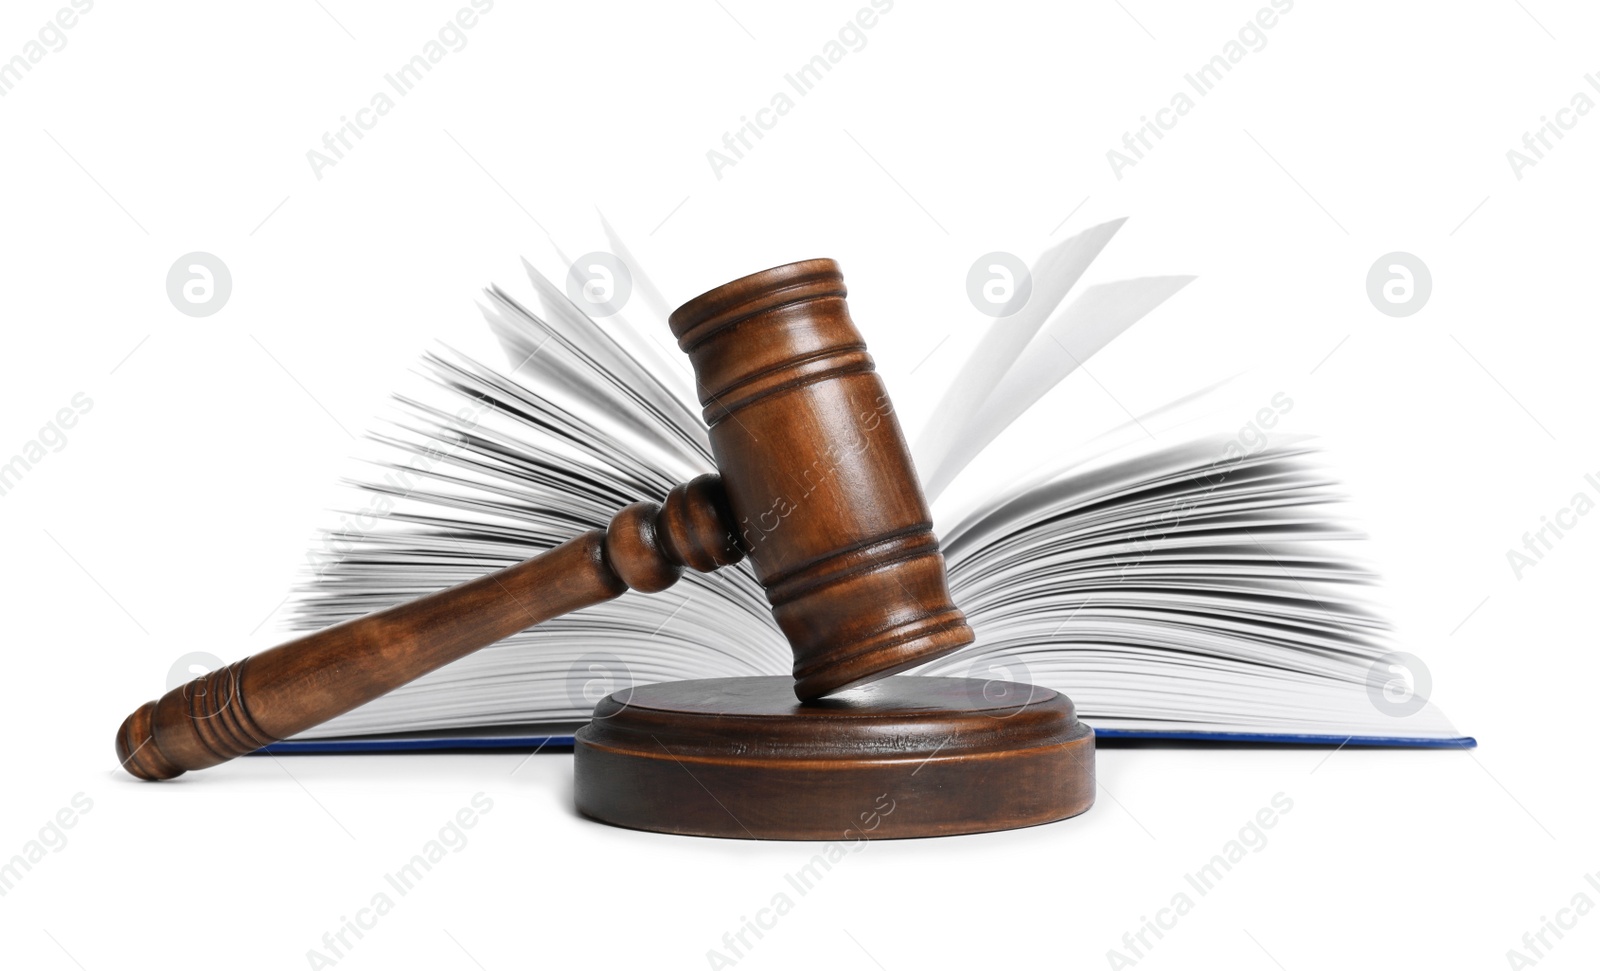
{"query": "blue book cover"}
(558, 738)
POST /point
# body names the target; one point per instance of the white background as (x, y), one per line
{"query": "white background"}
(176, 517)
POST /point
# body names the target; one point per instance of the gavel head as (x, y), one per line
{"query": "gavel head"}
(819, 482)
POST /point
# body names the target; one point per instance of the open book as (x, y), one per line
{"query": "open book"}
(1190, 588)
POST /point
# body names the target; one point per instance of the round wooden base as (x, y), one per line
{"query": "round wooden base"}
(901, 757)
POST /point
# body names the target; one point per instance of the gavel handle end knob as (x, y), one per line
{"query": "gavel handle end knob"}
(137, 749)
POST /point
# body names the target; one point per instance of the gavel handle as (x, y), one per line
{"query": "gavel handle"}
(292, 687)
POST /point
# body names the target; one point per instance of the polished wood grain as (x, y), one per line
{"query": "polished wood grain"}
(902, 757)
(292, 687)
(819, 477)
(816, 485)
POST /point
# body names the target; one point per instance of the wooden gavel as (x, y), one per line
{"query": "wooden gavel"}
(816, 486)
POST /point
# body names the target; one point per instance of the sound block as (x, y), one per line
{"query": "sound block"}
(900, 757)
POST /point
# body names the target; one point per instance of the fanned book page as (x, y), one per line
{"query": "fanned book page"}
(1182, 588)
